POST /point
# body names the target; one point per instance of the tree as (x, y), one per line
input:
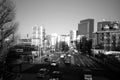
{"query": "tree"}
(63, 46)
(78, 46)
(84, 45)
(89, 46)
(8, 26)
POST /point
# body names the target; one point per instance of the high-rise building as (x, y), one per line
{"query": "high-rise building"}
(38, 36)
(86, 27)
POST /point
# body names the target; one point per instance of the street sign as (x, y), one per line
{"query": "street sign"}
(88, 77)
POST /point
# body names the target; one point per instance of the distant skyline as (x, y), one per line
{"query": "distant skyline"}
(61, 16)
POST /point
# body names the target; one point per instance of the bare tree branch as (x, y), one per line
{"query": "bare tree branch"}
(7, 12)
(7, 15)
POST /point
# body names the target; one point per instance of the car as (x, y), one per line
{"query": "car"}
(54, 79)
(54, 64)
(46, 60)
(42, 72)
(67, 62)
(62, 55)
(77, 65)
(55, 75)
(69, 55)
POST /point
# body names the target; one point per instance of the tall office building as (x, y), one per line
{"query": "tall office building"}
(38, 36)
(86, 27)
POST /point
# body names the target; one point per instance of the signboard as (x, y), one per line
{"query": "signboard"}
(87, 77)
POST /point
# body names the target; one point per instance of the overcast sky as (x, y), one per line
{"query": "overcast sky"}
(61, 16)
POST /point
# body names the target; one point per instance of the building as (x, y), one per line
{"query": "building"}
(86, 27)
(79, 37)
(38, 36)
(57, 39)
(101, 26)
(24, 41)
(73, 38)
(65, 38)
(48, 41)
(108, 35)
(54, 37)
(73, 35)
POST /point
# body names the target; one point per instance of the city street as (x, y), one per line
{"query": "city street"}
(86, 62)
(84, 65)
(59, 40)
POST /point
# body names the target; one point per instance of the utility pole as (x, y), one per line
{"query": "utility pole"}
(39, 52)
(2, 36)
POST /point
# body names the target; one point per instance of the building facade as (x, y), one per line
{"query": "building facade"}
(38, 36)
(86, 27)
(73, 35)
(108, 35)
(73, 38)
(65, 38)
(24, 41)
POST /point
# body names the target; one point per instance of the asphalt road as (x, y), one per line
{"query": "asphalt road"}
(83, 65)
(86, 66)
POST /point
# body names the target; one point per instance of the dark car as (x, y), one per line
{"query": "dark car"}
(55, 75)
(53, 66)
(42, 72)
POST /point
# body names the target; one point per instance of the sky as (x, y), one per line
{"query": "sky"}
(61, 16)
